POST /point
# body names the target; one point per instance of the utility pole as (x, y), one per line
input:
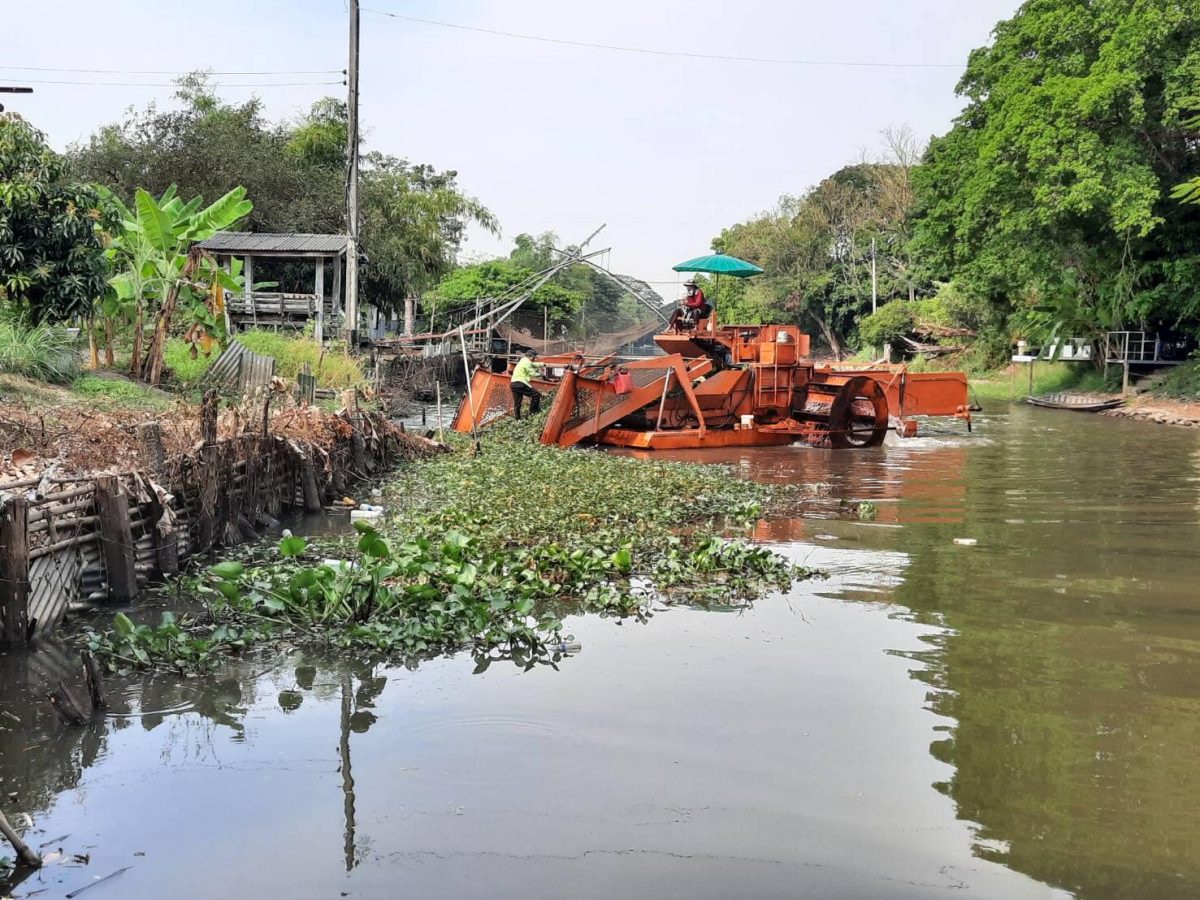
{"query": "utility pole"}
(352, 182)
(874, 280)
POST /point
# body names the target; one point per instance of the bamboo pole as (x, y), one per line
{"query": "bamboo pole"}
(470, 393)
(26, 855)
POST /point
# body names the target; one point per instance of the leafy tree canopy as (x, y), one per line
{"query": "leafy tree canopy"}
(206, 148)
(52, 264)
(1052, 190)
(499, 277)
(578, 298)
(413, 216)
(414, 221)
(815, 250)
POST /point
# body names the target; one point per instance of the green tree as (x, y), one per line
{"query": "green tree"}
(319, 140)
(1189, 191)
(502, 278)
(414, 221)
(534, 253)
(207, 147)
(413, 216)
(158, 269)
(51, 239)
(1050, 193)
(815, 250)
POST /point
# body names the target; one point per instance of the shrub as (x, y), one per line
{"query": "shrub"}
(185, 370)
(892, 321)
(1182, 382)
(333, 365)
(42, 352)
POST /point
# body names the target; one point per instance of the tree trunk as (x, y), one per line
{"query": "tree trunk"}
(135, 364)
(831, 338)
(108, 342)
(93, 345)
(835, 344)
(154, 356)
(162, 326)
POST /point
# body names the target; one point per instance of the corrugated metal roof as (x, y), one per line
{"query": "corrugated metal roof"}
(263, 243)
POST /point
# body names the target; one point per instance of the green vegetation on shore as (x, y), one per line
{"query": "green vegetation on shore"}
(1182, 382)
(106, 391)
(42, 352)
(333, 364)
(119, 393)
(1062, 203)
(484, 552)
(1012, 383)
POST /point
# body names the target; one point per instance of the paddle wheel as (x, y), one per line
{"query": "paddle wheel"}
(845, 413)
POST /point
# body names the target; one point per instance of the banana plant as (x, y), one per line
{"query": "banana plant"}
(160, 271)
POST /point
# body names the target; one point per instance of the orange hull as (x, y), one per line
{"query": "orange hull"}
(694, 438)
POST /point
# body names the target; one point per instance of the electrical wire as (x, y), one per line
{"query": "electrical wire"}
(215, 84)
(650, 51)
(166, 71)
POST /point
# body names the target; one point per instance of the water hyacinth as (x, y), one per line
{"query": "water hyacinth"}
(488, 551)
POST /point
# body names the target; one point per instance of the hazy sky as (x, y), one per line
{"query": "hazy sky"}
(665, 150)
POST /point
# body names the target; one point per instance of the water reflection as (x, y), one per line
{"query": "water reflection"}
(1012, 717)
(1067, 654)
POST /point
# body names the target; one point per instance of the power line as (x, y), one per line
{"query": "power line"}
(216, 84)
(650, 51)
(165, 71)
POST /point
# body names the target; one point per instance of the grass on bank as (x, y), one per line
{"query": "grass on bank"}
(1182, 382)
(333, 365)
(116, 392)
(1012, 382)
(107, 391)
(484, 552)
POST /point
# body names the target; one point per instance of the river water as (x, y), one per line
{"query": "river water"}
(1017, 718)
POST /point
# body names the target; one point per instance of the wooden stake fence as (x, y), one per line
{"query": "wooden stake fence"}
(105, 537)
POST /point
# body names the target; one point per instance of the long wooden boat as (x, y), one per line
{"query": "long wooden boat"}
(1076, 402)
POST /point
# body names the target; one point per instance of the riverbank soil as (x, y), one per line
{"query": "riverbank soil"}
(76, 432)
(1162, 410)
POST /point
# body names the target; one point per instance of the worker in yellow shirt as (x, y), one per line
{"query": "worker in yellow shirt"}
(523, 372)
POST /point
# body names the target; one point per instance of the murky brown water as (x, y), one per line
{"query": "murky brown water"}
(1019, 718)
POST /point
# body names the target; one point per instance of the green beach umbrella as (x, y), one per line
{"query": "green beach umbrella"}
(719, 264)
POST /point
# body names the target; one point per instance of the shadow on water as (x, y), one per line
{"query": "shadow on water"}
(1018, 717)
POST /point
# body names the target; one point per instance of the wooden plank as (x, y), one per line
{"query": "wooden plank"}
(307, 388)
(116, 539)
(14, 571)
(208, 417)
(248, 272)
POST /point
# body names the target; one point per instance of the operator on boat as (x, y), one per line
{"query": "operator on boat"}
(523, 372)
(695, 307)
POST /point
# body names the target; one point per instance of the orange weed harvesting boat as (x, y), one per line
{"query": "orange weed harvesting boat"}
(724, 386)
